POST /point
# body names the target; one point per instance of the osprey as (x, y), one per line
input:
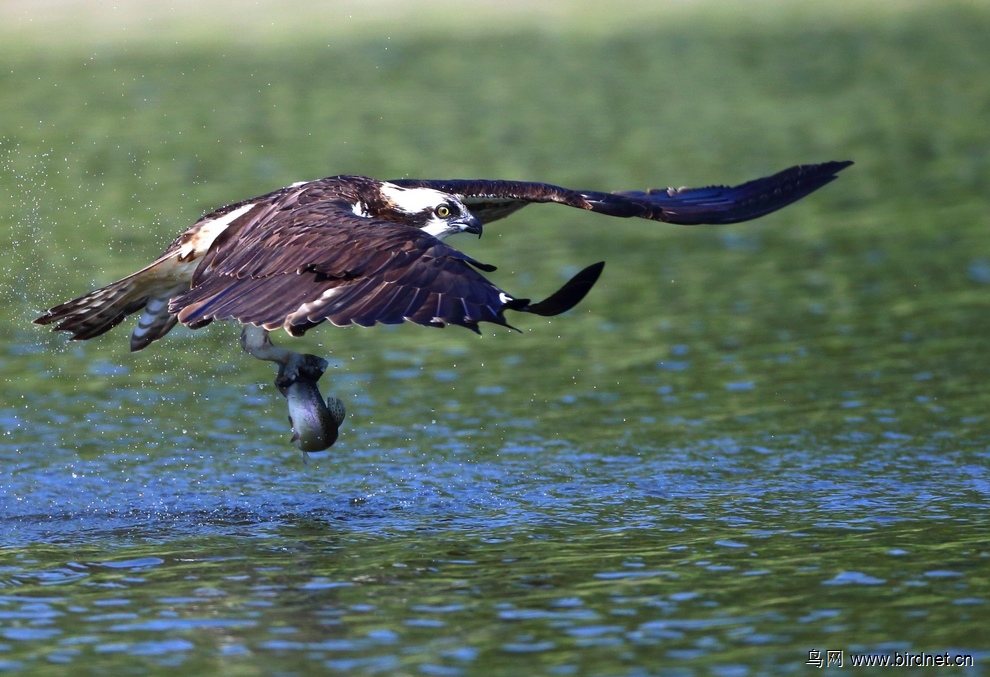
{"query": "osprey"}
(355, 250)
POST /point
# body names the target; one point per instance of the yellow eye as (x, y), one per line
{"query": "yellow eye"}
(443, 211)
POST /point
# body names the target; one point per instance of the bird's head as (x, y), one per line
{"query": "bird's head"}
(439, 214)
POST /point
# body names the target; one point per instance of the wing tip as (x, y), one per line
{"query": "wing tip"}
(837, 165)
(568, 296)
(823, 172)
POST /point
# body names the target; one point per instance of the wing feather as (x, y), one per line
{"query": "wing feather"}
(305, 266)
(492, 200)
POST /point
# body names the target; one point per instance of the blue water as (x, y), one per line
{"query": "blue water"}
(479, 542)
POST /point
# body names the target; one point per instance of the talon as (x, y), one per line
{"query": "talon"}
(299, 368)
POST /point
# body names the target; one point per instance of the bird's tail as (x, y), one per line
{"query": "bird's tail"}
(101, 310)
(97, 312)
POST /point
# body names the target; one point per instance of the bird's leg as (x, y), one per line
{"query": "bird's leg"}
(293, 366)
(315, 423)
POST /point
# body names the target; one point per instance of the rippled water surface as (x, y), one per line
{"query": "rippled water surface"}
(482, 540)
(747, 444)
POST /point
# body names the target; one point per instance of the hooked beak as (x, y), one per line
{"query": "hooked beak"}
(471, 224)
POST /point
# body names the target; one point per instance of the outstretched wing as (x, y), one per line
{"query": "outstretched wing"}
(493, 200)
(322, 263)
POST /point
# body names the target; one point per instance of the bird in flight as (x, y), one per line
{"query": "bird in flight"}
(356, 250)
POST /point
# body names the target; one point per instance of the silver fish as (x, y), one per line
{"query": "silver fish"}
(315, 424)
